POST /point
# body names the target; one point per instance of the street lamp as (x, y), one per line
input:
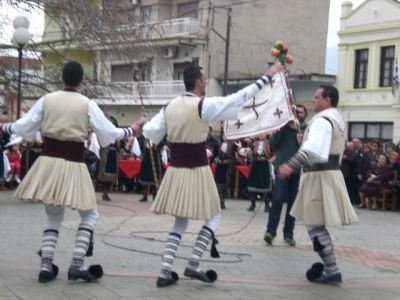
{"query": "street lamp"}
(21, 37)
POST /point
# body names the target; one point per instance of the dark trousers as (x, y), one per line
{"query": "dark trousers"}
(284, 191)
(352, 189)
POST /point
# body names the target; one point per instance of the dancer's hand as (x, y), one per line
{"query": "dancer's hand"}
(138, 125)
(299, 137)
(284, 171)
(276, 68)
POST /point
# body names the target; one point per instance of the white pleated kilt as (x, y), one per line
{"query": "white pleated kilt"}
(59, 182)
(322, 199)
(188, 193)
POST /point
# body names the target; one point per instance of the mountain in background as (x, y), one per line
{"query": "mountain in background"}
(331, 60)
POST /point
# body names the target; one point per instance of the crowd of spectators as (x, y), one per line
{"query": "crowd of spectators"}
(370, 169)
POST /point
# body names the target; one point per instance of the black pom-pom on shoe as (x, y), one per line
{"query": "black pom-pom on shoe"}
(96, 270)
(212, 275)
(92, 274)
(208, 276)
(315, 271)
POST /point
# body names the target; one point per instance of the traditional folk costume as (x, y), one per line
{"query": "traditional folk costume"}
(322, 198)
(188, 189)
(59, 178)
(222, 174)
(259, 181)
(14, 158)
(146, 175)
(108, 169)
(92, 154)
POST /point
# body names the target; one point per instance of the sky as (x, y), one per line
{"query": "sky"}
(333, 39)
(7, 14)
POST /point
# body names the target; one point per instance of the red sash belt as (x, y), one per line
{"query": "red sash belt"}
(72, 151)
(185, 155)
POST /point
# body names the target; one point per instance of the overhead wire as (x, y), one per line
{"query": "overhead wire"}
(267, 42)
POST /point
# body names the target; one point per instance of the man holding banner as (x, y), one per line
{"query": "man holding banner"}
(188, 189)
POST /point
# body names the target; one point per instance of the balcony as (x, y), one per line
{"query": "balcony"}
(183, 28)
(123, 93)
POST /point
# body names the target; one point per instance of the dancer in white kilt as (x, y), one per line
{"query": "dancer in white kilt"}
(188, 189)
(59, 178)
(322, 198)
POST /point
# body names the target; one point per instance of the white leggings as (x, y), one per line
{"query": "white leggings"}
(55, 216)
(181, 224)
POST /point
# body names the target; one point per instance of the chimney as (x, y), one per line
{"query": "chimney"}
(347, 8)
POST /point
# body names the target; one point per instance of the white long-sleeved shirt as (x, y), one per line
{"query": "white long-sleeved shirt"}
(318, 141)
(30, 124)
(213, 109)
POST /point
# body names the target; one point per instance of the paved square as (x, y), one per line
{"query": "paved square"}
(130, 239)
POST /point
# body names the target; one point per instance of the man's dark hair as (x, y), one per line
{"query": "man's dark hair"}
(303, 107)
(190, 75)
(72, 73)
(331, 92)
(376, 141)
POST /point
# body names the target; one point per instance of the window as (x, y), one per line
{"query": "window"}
(188, 10)
(144, 69)
(361, 69)
(145, 14)
(371, 130)
(179, 68)
(387, 64)
(122, 73)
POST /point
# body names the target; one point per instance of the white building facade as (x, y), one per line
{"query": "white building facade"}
(368, 49)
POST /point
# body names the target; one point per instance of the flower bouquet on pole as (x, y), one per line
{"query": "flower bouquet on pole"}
(280, 52)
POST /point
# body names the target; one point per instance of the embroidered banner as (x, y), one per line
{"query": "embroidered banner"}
(269, 110)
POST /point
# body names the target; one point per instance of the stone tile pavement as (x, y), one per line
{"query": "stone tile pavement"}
(130, 239)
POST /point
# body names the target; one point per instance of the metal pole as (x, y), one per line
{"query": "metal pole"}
(19, 96)
(228, 35)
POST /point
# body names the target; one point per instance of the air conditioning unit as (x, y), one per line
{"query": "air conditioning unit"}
(135, 2)
(170, 52)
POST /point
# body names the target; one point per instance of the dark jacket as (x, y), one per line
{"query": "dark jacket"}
(349, 165)
(284, 144)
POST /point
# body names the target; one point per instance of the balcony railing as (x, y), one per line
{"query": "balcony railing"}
(164, 29)
(122, 93)
(183, 27)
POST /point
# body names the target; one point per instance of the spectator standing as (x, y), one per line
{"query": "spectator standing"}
(285, 143)
(349, 168)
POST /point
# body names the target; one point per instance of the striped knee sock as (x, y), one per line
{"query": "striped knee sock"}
(49, 242)
(323, 246)
(171, 246)
(202, 241)
(82, 242)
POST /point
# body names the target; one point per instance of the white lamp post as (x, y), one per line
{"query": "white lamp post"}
(21, 37)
